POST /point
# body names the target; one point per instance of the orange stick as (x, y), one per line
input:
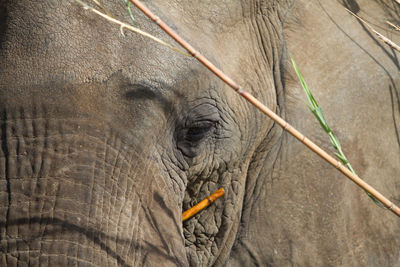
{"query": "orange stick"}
(254, 101)
(202, 204)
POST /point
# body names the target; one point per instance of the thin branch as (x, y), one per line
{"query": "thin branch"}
(254, 101)
(380, 36)
(397, 28)
(202, 204)
(130, 28)
(102, 7)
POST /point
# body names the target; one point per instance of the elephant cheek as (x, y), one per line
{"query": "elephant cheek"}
(74, 193)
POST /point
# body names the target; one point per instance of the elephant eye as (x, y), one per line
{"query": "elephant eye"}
(198, 129)
(197, 132)
(191, 136)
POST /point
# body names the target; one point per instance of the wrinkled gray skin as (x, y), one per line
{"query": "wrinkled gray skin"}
(106, 139)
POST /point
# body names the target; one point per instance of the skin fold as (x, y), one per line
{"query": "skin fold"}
(106, 139)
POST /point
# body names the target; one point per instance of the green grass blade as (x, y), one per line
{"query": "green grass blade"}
(310, 97)
(320, 117)
(317, 111)
(342, 159)
(128, 7)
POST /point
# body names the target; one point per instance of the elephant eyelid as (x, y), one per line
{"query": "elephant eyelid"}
(199, 130)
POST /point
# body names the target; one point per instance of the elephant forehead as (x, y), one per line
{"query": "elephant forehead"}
(52, 46)
(213, 16)
(60, 41)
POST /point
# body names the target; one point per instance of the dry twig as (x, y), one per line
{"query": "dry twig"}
(285, 125)
(202, 204)
(128, 27)
(397, 28)
(103, 8)
(380, 36)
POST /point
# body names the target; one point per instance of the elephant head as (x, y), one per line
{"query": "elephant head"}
(106, 139)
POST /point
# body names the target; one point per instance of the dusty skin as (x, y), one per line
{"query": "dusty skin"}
(106, 139)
